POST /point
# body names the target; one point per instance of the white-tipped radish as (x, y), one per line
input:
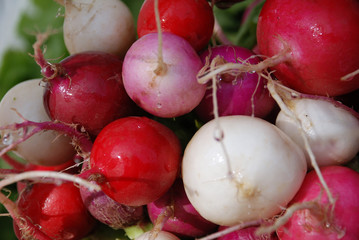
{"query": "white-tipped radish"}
(332, 130)
(106, 26)
(45, 148)
(247, 171)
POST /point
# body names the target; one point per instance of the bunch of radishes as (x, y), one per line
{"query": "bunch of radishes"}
(195, 137)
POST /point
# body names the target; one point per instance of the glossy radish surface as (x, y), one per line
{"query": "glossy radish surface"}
(57, 210)
(139, 159)
(321, 40)
(320, 223)
(192, 20)
(88, 91)
(242, 166)
(171, 92)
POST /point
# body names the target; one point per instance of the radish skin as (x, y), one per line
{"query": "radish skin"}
(332, 131)
(264, 170)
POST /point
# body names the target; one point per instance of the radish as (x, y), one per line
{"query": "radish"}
(105, 209)
(162, 235)
(332, 129)
(87, 90)
(192, 20)
(57, 210)
(24, 102)
(318, 41)
(248, 233)
(320, 220)
(136, 160)
(177, 215)
(242, 94)
(163, 86)
(240, 168)
(106, 26)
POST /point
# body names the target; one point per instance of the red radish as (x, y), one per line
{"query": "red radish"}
(320, 41)
(88, 90)
(174, 90)
(192, 20)
(138, 159)
(244, 94)
(106, 210)
(57, 210)
(24, 102)
(183, 220)
(106, 26)
(322, 221)
(248, 233)
(240, 168)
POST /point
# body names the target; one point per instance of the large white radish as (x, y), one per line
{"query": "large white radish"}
(250, 171)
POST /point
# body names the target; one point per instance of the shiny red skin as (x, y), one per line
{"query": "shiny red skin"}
(323, 40)
(139, 159)
(192, 20)
(344, 184)
(57, 209)
(234, 95)
(88, 91)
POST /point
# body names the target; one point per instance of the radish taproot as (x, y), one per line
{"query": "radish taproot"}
(242, 166)
(323, 221)
(318, 41)
(23, 102)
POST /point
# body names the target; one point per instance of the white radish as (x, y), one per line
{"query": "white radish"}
(44, 148)
(332, 130)
(247, 169)
(106, 26)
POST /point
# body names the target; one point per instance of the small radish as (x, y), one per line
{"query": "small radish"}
(322, 221)
(162, 235)
(24, 102)
(57, 210)
(177, 215)
(137, 160)
(332, 129)
(242, 94)
(88, 91)
(105, 209)
(318, 41)
(106, 26)
(166, 88)
(240, 168)
(192, 20)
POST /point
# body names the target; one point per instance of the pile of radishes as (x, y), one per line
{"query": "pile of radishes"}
(182, 136)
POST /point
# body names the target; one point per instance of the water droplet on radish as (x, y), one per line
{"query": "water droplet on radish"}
(159, 105)
(218, 134)
(7, 139)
